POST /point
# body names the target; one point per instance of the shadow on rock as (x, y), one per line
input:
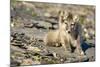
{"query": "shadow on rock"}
(85, 46)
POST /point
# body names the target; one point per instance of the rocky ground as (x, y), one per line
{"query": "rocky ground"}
(30, 21)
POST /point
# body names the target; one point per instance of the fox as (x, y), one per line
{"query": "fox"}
(59, 36)
(75, 30)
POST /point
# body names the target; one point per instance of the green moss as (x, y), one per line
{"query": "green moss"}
(34, 14)
(82, 18)
(13, 2)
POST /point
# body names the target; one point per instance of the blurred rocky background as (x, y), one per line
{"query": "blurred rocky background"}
(30, 21)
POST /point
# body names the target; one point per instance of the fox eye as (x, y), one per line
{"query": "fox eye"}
(66, 24)
(62, 20)
(72, 24)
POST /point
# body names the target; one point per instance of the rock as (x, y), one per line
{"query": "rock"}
(69, 60)
(44, 52)
(84, 59)
(35, 49)
(27, 62)
(87, 36)
(29, 25)
(18, 41)
(50, 54)
(55, 26)
(14, 63)
(36, 62)
(11, 38)
(14, 35)
(16, 58)
(43, 24)
(52, 21)
(76, 59)
(55, 55)
(91, 42)
(15, 44)
(12, 24)
(26, 40)
(17, 49)
(90, 53)
(49, 60)
(47, 15)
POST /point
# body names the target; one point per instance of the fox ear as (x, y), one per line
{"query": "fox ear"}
(61, 12)
(70, 16)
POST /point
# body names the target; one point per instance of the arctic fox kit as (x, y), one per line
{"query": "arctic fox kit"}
(59, 36)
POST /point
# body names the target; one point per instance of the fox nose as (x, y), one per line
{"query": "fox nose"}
(69, 31)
